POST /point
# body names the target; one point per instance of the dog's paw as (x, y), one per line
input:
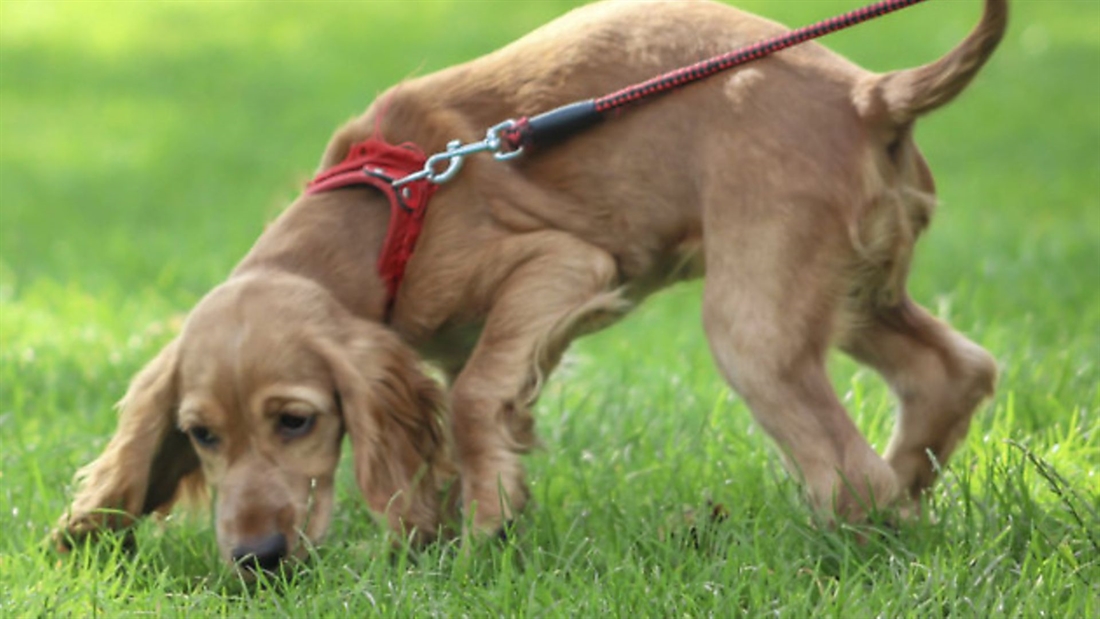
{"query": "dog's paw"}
(75, 529)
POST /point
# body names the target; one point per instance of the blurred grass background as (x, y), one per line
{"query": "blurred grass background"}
(144, 145)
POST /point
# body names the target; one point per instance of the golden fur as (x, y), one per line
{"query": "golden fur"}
(793, 184)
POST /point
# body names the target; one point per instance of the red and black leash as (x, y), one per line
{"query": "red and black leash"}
(568, 119)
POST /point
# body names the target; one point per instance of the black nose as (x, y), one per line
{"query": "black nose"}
(262, 554)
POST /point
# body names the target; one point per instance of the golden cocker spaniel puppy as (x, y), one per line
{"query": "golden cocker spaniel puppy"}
(792, 185)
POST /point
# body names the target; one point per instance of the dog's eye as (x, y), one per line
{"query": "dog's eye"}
(203, 436)
(293, 426)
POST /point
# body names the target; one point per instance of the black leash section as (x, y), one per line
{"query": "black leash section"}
(510, 138)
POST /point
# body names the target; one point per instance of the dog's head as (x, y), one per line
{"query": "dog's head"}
(259, 389)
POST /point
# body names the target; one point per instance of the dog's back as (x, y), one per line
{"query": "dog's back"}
(805, 118)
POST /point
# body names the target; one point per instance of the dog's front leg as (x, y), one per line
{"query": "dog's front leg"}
(561, 286)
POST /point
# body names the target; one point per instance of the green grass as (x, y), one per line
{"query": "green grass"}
(143, 146)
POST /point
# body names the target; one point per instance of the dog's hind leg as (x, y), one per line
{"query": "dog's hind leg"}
(562, 287)
(938, 376)
(772, 293)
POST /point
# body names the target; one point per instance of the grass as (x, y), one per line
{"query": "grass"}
(143, 146)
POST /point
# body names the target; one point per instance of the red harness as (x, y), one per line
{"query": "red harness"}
(378, 164)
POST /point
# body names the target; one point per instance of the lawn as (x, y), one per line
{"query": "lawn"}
(143, 146)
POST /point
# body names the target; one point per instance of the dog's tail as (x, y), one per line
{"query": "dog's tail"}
(900, 97)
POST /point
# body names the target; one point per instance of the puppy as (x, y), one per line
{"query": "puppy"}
(792, 185)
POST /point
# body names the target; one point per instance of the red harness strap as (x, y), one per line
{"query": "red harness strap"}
(377, 164)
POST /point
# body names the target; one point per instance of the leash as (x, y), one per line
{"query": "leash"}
(408, 178)
(509, 139)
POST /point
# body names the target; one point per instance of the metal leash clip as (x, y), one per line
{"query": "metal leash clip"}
(456, 154)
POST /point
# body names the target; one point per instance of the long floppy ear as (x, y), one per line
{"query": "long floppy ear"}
(393, 413)
(145, 465)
